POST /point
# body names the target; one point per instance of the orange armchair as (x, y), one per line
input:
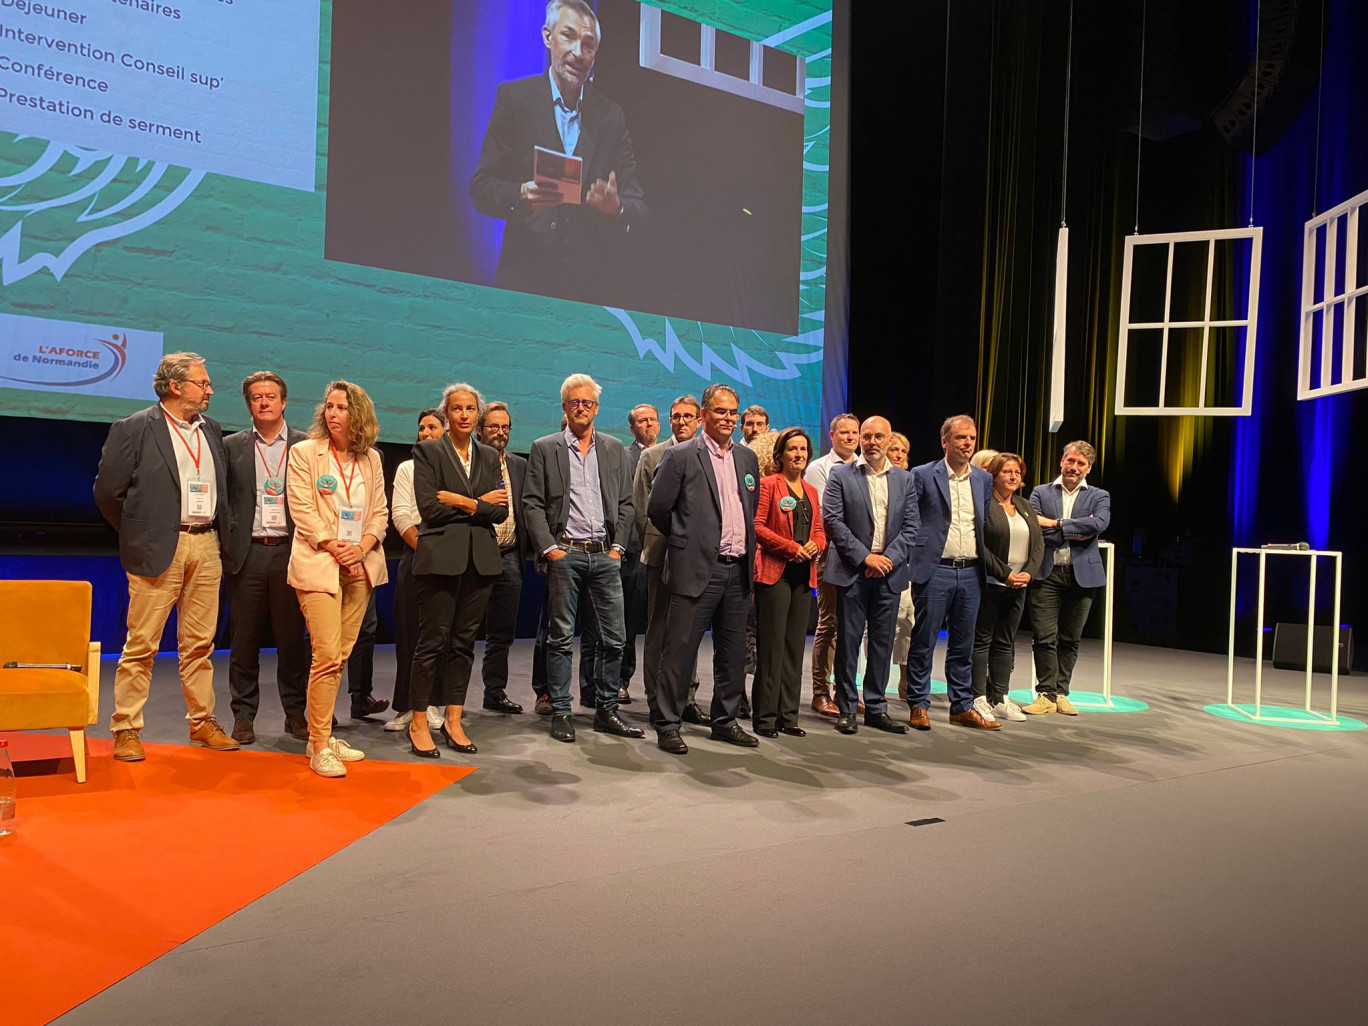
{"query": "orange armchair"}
(49, 622)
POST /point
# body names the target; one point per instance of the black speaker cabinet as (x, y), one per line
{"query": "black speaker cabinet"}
(1289, 647)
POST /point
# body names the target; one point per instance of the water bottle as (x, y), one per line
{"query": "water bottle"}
(7, 790)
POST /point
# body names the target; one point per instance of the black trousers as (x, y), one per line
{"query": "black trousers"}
(361, 662)
(999, 615)
(633, 611)
(723, 603)
(406, 632)
(1059, 611)
(657, 612)
(501, 623)
(450, 608)
(781, 619)
(261, 604)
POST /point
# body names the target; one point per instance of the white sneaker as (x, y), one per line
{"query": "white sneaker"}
(1009, 710)
(400, 722)
(339, 748)
(985, 710)
(436, 715)
(327, 764)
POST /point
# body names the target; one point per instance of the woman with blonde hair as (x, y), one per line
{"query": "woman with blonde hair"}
(336, 493)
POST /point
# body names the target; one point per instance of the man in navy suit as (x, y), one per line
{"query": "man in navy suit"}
(163, 485)
(703, 501)
(1072, 514)
(871, 517)
(947, 575)
(550, 247)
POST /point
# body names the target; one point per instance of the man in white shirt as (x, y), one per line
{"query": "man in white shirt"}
(845, 437)
(1072, 515)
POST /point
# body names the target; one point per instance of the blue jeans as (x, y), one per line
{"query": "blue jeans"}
(600, 576)
(950, 597)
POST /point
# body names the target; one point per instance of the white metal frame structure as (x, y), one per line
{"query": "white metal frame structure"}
(1249, 322)
(1258, 717)
(1322, 236)
(705, 71)
(1057, 352)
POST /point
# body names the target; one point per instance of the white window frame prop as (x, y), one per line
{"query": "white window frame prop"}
(1249, 322)
(1355, 285)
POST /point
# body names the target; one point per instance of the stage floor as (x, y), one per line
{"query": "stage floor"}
(1163, 865)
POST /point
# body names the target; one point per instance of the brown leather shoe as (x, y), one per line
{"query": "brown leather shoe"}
(920, 718)
(823, 705)
(210, 735)
(860, 708)
(297, 727)
(971, 718)
(243, 732)
(127, 747)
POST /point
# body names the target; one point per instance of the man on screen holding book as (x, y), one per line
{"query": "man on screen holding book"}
(546, 130)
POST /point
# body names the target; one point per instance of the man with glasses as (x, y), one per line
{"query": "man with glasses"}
(163, 485)
(703, 501)
(577, 503)
(684, 413)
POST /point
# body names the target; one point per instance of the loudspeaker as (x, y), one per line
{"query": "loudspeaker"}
(1289, 648)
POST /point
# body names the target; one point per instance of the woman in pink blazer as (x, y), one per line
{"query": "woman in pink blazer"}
(788, 532)
(336, 490)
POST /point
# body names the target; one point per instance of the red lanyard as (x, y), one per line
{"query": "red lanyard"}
(279, 466)
(199, 440)
(346, 481)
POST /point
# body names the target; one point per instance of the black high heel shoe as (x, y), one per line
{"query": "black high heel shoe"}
(424, 753)
(451, 742)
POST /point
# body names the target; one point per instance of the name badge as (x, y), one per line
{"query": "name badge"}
(349, 525)
(195, 498)
(273, 511)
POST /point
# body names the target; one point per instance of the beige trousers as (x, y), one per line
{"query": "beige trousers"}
(824, 637)
(191, 585)
(334, 622)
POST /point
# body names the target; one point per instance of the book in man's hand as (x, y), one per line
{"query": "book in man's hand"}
(559, 171)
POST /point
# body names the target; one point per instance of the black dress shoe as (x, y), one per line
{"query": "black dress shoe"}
(744, 710)
(767, 731)
(845, 723)
(693, 713)
(882, 721)
(608, 722)
(734, 735)
(589, 701)
(623, 697)
(561, 727)
(793, 731)
(498, 701)
(367, 705)
(671, 742)
(451, 742)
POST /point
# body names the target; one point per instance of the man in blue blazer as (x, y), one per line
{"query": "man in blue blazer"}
(947, 574)
(1073, 514)
(703, 501)
(871, 519)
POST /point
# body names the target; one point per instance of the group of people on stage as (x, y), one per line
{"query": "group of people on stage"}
(699, 532)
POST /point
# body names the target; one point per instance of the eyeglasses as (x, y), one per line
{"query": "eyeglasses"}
(683, 416)
(204, 386)
(724, 414)
(581, 404)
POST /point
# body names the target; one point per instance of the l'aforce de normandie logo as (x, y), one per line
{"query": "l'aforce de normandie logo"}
(69, 366)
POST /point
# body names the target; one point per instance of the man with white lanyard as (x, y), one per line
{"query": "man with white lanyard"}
(256, 560)
(162, 473)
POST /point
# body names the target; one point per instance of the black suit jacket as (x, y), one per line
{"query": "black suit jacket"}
(242, 493)
(560, 251)
(517, 472)
(138, 490)
(685, 508)
(449, 540)
(546, 497)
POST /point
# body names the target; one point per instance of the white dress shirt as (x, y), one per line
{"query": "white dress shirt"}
(878, 501)
(960, 541)
(404, 508)
(1064, 554)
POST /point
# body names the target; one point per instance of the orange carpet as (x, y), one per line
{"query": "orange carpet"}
(103, 877)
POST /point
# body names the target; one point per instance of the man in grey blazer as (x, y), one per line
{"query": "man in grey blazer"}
(577, 503)
(1073, 514)
(162, 484)
(703, 501)
(257, 558)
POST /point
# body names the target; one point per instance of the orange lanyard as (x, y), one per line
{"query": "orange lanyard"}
(279, 466)
(346, 480)
(199, 440)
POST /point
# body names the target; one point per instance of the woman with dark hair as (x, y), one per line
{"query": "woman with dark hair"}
(1013, 547)
(460, 497)
(336, 492)
(788, 533)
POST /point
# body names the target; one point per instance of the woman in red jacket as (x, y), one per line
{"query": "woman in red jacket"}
(788, 528)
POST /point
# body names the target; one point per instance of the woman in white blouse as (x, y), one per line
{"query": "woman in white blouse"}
(1013, 547)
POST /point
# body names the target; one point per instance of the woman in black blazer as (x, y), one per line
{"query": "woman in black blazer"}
(460, 497)
(1012, 549)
